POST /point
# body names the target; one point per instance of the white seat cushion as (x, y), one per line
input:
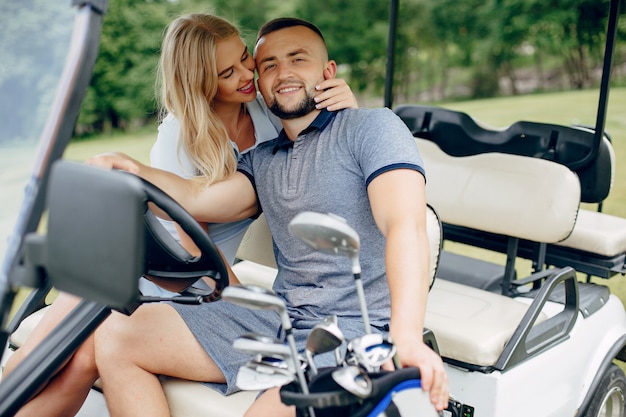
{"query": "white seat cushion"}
(472, 325)
(18, 338)
(598, 233)
(252, 273)
(191, 399)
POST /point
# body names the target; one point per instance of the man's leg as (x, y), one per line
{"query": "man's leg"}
(132, 350)
(269, 405)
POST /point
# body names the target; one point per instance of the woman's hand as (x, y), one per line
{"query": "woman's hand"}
(116, 160)
(335, 95)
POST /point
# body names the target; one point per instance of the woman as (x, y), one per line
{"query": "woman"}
(209, 96)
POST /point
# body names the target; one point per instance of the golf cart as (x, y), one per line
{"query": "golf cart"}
(543, 345)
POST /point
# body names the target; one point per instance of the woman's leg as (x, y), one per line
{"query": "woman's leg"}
(65, 393)
(132, 350)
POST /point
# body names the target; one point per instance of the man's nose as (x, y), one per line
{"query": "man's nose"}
(285, 72)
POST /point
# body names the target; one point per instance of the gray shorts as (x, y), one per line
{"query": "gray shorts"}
(216, 325)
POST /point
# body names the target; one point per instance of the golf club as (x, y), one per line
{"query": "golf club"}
(264, 373)
(354, 380)
(324, 337)
(371, 351)
(259, 298)
(260, 345)
(331, 234)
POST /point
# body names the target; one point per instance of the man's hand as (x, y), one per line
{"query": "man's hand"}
(414, 352)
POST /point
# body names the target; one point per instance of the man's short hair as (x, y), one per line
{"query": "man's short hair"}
(287, 22)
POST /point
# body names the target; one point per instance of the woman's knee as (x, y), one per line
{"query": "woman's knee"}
(83, 362)
(118, 336)
(112, 337)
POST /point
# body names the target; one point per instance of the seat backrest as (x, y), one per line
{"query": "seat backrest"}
(256, 245)
(458, 134)
(511, 195)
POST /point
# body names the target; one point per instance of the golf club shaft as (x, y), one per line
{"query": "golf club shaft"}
(309, 359)
(361, 293)
(338, 358)
(299, 373)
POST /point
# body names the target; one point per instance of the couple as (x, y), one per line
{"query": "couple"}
(360, 164)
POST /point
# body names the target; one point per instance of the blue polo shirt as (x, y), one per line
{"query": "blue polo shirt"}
(327, 169)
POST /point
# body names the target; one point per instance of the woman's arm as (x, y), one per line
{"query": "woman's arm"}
(225, 201)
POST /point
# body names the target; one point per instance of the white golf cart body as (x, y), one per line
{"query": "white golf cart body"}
(540, 351)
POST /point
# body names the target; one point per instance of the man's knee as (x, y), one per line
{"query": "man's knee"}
(269, 405)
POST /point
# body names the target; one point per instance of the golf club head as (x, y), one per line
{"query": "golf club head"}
(371, 351)
(263, 345)
(324, 337)
(354, 380)
(254, 297)
(327, 233)
(275, 361)
(258, 298)
(256, 376)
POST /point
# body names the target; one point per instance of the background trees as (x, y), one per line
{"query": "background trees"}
(446, 49)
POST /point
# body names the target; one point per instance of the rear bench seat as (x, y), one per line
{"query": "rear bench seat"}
(597, 244)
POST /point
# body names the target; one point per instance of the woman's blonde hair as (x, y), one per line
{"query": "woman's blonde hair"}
(187, 80)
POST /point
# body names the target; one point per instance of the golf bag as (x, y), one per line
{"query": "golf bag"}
(397, 394)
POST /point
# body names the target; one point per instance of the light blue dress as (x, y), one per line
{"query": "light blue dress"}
(166, 154)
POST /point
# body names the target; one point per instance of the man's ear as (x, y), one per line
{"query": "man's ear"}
(331, 70)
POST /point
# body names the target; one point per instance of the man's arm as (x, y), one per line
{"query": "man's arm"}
(398, 201)
(229, 200)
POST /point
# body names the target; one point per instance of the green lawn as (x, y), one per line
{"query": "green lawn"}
(577, 107)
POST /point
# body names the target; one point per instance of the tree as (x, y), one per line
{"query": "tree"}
(444, 48)
(122, 87)
(356, 34)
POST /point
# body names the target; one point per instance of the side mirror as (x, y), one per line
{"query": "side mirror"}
(94, 246)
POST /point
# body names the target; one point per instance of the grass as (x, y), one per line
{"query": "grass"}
(575, 107)
(136, 144)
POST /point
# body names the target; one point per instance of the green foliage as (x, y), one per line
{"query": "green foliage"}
(444, 49)
(122, 87)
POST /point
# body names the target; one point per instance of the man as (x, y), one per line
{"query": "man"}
(362, 165)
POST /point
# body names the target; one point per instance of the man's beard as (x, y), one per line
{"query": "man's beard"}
(306, 106)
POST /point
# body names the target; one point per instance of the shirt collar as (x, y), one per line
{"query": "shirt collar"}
(321, 121)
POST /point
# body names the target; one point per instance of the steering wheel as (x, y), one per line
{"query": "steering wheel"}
(165, 258)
